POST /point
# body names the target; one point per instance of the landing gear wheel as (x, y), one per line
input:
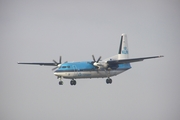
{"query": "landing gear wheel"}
(73, 82)
(108, 80)
(60, 82)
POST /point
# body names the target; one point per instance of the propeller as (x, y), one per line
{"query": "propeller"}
(102, 64)
(96, 62)
(57, 64)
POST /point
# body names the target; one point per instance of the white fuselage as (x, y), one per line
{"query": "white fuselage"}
(89, 74)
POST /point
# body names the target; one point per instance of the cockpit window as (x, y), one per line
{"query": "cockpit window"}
(65, 66)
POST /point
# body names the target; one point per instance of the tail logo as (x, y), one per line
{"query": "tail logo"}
(125, 50)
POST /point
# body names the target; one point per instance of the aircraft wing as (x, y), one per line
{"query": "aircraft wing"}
(131, 60)
(45, 64)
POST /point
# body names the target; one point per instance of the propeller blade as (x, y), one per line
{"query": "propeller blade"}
(60, 60)
(93, 58)
(98, 59)
(54, 68)
(55, 62)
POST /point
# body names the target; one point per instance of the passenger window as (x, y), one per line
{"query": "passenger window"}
(68, 66)
(63, 66)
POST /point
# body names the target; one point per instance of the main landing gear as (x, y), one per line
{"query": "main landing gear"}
(73, 82)
(108, 80)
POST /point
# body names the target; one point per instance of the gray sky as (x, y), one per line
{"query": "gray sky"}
(39, 31)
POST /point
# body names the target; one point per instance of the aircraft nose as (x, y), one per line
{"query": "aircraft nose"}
(55, 73)
(58, 73)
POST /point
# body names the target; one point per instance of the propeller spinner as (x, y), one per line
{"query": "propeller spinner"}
(96, 62)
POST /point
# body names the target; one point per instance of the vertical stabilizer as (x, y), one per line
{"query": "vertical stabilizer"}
(123, 52)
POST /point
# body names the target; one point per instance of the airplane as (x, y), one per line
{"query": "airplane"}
(106, 68)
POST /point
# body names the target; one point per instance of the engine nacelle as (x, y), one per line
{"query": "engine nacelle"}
(101, 64)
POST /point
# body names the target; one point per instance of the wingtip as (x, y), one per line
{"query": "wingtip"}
(123, 34)
(161, 56)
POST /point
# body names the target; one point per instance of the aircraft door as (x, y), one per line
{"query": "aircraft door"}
(76, 71)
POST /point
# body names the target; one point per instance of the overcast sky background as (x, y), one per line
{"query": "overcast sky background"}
(39, 31)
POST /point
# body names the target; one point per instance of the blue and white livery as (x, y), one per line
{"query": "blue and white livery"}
(106, 68)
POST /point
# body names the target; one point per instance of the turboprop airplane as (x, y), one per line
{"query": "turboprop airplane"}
(106, 68)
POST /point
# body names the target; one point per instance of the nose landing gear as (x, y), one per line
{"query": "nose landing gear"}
(60, 82)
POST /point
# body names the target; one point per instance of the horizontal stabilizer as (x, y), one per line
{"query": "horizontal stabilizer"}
(131, 60)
